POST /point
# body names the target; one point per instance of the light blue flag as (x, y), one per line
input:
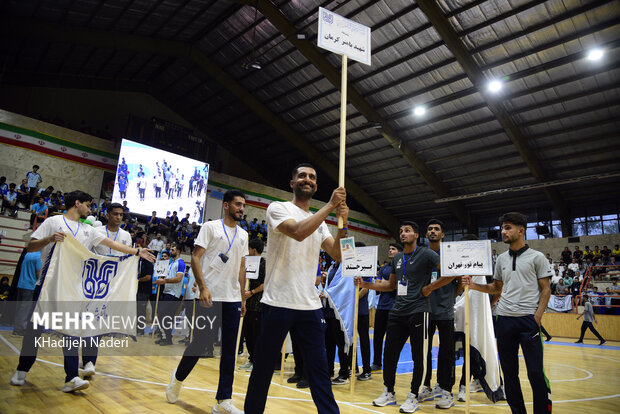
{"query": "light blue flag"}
(341, 297)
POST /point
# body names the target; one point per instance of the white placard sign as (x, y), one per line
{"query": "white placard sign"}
(343, 36)
(468, 257)
(363, 264)
(252, 264)
(161, 268)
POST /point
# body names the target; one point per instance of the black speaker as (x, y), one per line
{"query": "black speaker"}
(493, 234)
(542, 230)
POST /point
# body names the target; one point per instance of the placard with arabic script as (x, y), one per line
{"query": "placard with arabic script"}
(363, 264)
(468, 257)
(343, 36)
(252, 266)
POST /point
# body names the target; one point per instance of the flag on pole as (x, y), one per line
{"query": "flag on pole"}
(483, 348)
(340, 295)
(90, 294)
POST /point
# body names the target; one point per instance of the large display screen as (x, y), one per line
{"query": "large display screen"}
(150, 179)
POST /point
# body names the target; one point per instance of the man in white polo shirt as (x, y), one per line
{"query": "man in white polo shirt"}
(218, 256)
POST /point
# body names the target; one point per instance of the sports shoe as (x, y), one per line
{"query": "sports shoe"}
(173, 388)
(410, 405)
(245, 366)
(426, 394)
(294, 379)
(340, 380)
(578, 342)
(475, 386)
(603, 342)
(386, 398)
(18, 378)
(89, 369)
(225, 407)
(303, 383)
(548, 338)
(375, 367)
(446, 400)
(364, 376)
(462, 393)
(75, 384)
(437, 391)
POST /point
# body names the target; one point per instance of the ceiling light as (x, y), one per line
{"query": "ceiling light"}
(256, 65)
(495, 85)
(419, 110)
(301, 36)
(595, 54)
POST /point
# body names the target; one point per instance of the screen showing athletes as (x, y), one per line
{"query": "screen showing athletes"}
(150, 179)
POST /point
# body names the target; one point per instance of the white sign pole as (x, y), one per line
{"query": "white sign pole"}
(467, 359)
(343, 128)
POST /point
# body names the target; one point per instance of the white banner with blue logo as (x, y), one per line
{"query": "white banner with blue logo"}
(90, 294)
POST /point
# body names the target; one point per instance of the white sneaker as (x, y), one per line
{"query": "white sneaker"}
(18, 378)
(386, 398)
(410, 405)
(436, 391)
(446, 400)
(89, 369)
(173, 388)
(245, 366)
(462, 393)
(475, 386)
(75, 384)
(225, 407)
(425, 394)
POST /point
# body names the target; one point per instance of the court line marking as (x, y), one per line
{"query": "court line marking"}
(353, 405)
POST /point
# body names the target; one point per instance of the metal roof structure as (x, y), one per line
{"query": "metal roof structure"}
(554, 122)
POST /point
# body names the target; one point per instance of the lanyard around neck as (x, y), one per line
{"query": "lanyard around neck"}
(71, 230)
(115, 236)
(406, 259)
(230, 243)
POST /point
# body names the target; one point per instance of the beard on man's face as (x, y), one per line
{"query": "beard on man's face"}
(236, 217)
(303, 190)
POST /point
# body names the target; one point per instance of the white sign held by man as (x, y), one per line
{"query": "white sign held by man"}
(343, 36)
(468, 257)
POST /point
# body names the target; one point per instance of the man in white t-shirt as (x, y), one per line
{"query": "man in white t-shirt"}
(112, 231)
(157, 243)
(290, 299)
(219, 256)
(50, 232)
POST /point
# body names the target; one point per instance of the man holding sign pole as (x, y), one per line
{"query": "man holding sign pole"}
(409, 317)
(290, 299)
(522, 276)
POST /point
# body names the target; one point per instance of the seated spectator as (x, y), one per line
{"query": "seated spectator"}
(182, 237)
(39, 213)
(578, 277)
(567, 255)
(262, 230)
(9, 201)
(606, 255)
(165, 226)
(253, 228)
(561, 288)
(127, 226)
(616, 253)
(153, 223)
(23, 194)
(578, 254)
(244, 223)
(608, 296)
(574, 266)
(555, 279)
(185, 220)
(142, 240)
(568, 280)
(192, 238)
(587, 253)
(157, 243)
(597, 254)
(575, 289)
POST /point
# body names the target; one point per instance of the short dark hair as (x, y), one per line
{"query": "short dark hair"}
(12, 185)
(231, 194)
(470, 236)
(435, 221)
(35, 166)
(257, 244)
(173, 244)
(298, 166)
(413, 225)
(397, 246)
(112, 206)
(77, 195)
(3, 178)
(515, 218)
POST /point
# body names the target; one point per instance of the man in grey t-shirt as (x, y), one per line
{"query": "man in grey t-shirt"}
(409, 318)
(588, 318)
(522, 276)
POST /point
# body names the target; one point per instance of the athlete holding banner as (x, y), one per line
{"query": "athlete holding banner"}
(43, 239)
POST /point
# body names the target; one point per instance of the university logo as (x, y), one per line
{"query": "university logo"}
(328, 17)
(96, 278)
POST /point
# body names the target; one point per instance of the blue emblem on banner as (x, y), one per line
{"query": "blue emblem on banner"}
(96, 278)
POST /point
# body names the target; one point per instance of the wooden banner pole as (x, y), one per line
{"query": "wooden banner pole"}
(467, 359)
(282, 362)
(191, 335)
(247, 285)
(354, 350)
(155, 316)
(343, 126)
